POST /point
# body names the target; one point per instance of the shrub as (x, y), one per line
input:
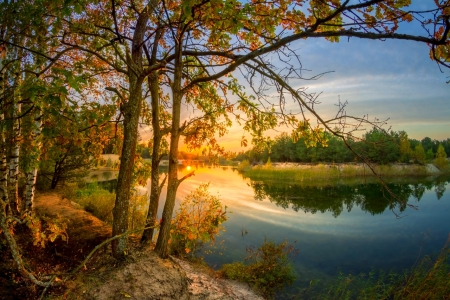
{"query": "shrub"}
(109, 163)
(244, 166)
(268, 270)
(197, 221)
(441, 158)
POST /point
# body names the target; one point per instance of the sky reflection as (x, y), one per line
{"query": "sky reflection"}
(353, 242)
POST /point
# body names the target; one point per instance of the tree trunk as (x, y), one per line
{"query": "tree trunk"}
(131, 111)
(3, 164)
(13, 176)
(164, 234)
(33, 168)
(147, 235)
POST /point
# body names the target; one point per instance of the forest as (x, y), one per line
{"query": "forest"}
(78, 76)
(376, 146)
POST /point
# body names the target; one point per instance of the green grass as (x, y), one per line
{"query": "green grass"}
(100, 203)
(328, 172)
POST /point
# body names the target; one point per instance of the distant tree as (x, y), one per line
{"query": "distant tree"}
(446, 145)
(405, 147)
(380, 146)
(441, 157)
(430, 154)
(419, 154)
(428, 143)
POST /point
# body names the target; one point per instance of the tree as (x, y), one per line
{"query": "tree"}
(405, 148)
(380, 147)
(419, 154)
(441, 157)
(197, 45)
(429, 155)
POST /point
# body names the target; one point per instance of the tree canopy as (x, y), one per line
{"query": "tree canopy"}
(178, 65)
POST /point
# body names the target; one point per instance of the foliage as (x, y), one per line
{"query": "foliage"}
(405, 147)
(44, 229)
(441, 158)
(198, 220)
(377, 146)
(268, 268)
(419, 154)
(244, 166)
(268, 163)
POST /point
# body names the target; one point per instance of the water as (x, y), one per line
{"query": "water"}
(344, 227)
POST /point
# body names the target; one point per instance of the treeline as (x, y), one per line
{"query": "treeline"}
(377, 146)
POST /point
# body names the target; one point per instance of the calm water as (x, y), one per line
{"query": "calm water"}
(345, 227)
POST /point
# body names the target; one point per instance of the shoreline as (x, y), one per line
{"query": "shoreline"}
(307, 172)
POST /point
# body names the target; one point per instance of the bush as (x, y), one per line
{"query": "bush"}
(197, 221)
(109, 163)
(244, 166)
(268, 270)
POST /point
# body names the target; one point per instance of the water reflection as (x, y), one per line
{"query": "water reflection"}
(340, 226)
(370, 197)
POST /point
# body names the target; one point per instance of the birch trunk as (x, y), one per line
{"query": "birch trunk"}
(33, 168)
(13, 172)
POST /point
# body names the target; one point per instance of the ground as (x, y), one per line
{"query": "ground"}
(142, 276)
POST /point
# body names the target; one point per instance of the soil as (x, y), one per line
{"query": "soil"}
(143, 275)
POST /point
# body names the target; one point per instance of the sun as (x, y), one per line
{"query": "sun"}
(188, 168)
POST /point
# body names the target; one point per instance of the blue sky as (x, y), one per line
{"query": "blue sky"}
(390, 79)
(393, 80)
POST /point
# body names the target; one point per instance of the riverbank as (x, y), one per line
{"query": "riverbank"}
(307, 172)
(143, 275)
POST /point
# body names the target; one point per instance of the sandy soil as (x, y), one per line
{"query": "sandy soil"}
(142, 276)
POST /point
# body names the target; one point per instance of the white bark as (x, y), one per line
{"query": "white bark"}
(33, 168)
(13, 174)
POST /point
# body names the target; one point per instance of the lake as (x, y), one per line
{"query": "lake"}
(346, 226)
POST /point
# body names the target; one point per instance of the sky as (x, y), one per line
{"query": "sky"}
(389, 80)
(394, 80)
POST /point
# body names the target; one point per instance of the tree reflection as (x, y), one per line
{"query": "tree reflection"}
(334, 198)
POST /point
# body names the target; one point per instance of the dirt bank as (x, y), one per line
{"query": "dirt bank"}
(142, 276)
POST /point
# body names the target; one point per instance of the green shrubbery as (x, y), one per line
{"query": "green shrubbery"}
(268, 268)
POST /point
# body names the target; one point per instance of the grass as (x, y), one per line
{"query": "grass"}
(100, 203)
(328, 172)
